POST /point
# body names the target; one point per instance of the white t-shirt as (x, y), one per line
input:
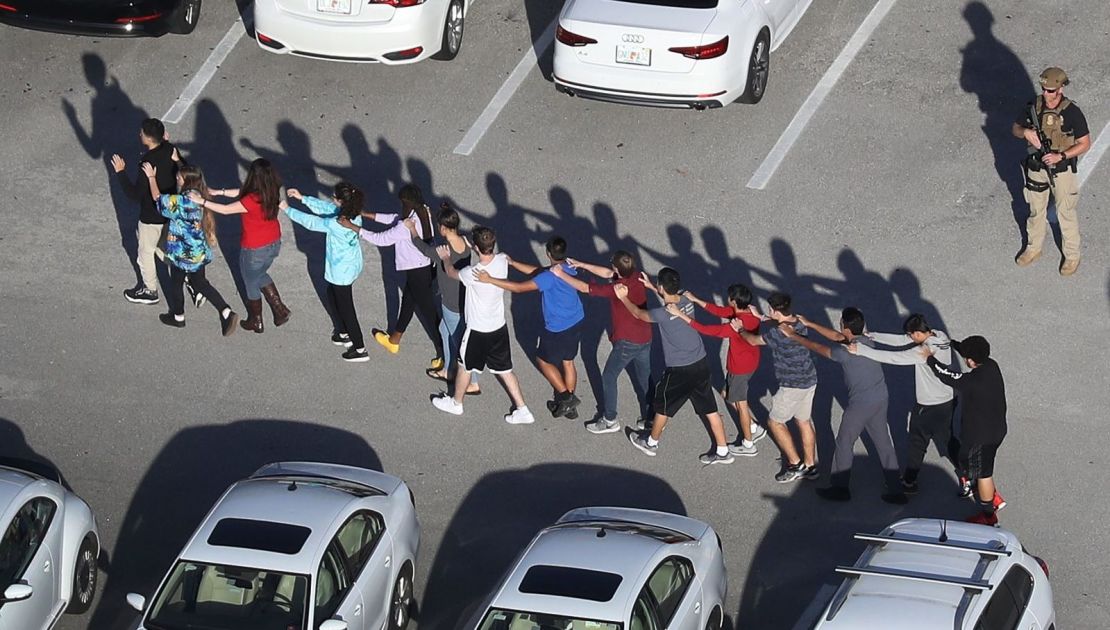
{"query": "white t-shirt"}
(485, 304)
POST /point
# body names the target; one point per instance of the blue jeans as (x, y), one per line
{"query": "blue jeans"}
(451, 328)
(624, 353)
(253, 264)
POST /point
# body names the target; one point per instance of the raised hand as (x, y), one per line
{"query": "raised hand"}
(444, 252)
(294, 193)
(620, 290)
(674, 310)
(149, 170)
(481, 275)
(117, 163)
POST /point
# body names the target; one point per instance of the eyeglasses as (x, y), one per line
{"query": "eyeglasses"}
(1050, 90)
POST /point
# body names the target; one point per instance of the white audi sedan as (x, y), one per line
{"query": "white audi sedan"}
(362, 31)
(48, 549)
(613, 568)
(671, 53)
(296, 546)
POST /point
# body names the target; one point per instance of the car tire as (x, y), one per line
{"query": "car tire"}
(85, 575)
(714, 622)
(453, 24)
(759, 69)
(400, 601)
(184, 18)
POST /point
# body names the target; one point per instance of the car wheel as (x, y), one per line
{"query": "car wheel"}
(452, 32)
(84, 578)
(759, 67)
(185, 18)
(400, 603)
(714, 622)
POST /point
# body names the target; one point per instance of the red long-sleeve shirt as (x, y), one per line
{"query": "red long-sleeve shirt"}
(743, 357)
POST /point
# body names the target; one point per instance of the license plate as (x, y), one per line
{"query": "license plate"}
(635, 55)
(334, 6)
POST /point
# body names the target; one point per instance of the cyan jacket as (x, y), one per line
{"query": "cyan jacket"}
(343, 257)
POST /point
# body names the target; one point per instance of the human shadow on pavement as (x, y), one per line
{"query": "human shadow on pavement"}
(540, 14)
(808, 538)
(186, 478)
(14, 448)
(505, 510)
(994, 73)
(114, 129)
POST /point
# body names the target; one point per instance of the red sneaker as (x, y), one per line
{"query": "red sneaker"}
(983, 518)
(999, 502)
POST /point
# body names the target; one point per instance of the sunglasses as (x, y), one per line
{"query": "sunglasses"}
(1050, 90)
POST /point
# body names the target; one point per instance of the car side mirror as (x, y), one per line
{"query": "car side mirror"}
(17, 593)
(334, 624)
(136, 601)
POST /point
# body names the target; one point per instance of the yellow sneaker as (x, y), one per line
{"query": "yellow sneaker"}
(1069, 266)
(383, 339)
(1027, 257)
(436, 364)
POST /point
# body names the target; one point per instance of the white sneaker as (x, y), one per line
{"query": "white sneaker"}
(758, 432)
(520, 415)
(448, 404)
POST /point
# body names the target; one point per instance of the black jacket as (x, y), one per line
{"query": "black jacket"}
(161, 158)
(983, 397)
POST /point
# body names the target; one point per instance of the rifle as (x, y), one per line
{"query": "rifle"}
(1035, 118)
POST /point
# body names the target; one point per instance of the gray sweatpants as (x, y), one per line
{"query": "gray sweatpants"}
(857, 418)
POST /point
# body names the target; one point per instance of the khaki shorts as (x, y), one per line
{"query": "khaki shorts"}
(790, 403)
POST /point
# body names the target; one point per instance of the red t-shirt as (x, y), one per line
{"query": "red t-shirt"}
(743, 357)
(258, 231)
(625, 325)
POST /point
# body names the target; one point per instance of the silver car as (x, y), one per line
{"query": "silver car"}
(48, 550)
(607, 568)
(296, 546)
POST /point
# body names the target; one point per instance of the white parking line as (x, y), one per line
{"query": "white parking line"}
(778, 153)
(501, 98)
(809, 615)
(1098, 148)
(205, 73)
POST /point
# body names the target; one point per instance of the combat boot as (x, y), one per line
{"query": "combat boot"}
(254, 317)
(1028, 257)
(280, 310)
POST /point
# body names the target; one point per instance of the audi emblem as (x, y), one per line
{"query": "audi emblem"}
(632, 39)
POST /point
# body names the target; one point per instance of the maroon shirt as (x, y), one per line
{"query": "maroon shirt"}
(625, 325)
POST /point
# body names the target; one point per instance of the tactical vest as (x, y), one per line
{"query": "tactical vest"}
(1052, 122)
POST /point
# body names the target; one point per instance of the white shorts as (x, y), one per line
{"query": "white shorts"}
(790, 403)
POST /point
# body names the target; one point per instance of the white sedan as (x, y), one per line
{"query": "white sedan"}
(362, 31)
(48, 549)
(671, 53)
(613, 568)
(295, 546)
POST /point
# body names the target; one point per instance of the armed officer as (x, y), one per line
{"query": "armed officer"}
(1063, 125)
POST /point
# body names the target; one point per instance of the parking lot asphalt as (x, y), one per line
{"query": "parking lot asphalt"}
(898, 196)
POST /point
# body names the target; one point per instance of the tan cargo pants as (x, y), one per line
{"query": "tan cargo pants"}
(1066, 194)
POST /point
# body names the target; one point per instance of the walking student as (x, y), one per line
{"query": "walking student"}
(339, 219)
(260, 239)
(797, 377)
(191, 232)
(562, 324)
(866, 410)
(931, 418)
(742, 359)
(485, 344)
(982, 394)
(418, 293)
(160, 155)
(630, 337)
(686, 375)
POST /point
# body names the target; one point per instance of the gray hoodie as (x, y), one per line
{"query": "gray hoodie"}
(930, 391)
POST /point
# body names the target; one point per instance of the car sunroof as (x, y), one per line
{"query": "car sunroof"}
(597, 586)
(259, 535)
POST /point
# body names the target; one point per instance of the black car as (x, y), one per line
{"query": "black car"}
(122, 18)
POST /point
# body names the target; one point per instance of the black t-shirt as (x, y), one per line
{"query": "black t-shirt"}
(1075, 123)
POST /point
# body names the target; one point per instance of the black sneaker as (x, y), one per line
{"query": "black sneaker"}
(169, 320)
(909, 487)
(835, 493)
(791, 473)
(341, 339)
(141, 295)
(553, 407)
(566, 405)
(810, 473)
(356, 355)
(640, 442)
(229, 323)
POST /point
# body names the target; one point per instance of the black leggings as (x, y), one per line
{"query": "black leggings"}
(419, 293)
(199, 283)
(344, 317)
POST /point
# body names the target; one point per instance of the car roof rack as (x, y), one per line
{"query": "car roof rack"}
(994, 548)
(918, 576)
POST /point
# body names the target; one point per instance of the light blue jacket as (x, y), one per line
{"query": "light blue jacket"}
(343, 258)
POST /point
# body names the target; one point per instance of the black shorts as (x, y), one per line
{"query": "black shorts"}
(977, 460)
(480, 350)
(556, 347)
(679, 384)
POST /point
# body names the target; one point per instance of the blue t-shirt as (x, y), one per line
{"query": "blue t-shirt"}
(561, 306)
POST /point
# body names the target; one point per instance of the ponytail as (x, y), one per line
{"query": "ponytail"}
(351, 200)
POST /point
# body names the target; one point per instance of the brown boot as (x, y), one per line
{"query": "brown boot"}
(254, 316)
(1070, 266)
(1028, 257)
(280, 310)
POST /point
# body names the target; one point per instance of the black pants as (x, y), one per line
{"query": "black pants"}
(419, 294)
(344, 317)
(199, 283)
(929, 423)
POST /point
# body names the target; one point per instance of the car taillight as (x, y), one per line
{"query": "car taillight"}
(398, 3)
(138, 18)
(4, 7)
(572, 39)
(400, 55)
(708, 51)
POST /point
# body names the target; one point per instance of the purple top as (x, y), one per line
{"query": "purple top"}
(406, 255)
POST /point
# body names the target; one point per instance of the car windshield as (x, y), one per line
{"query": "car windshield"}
(498, 619)
(201, 596)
